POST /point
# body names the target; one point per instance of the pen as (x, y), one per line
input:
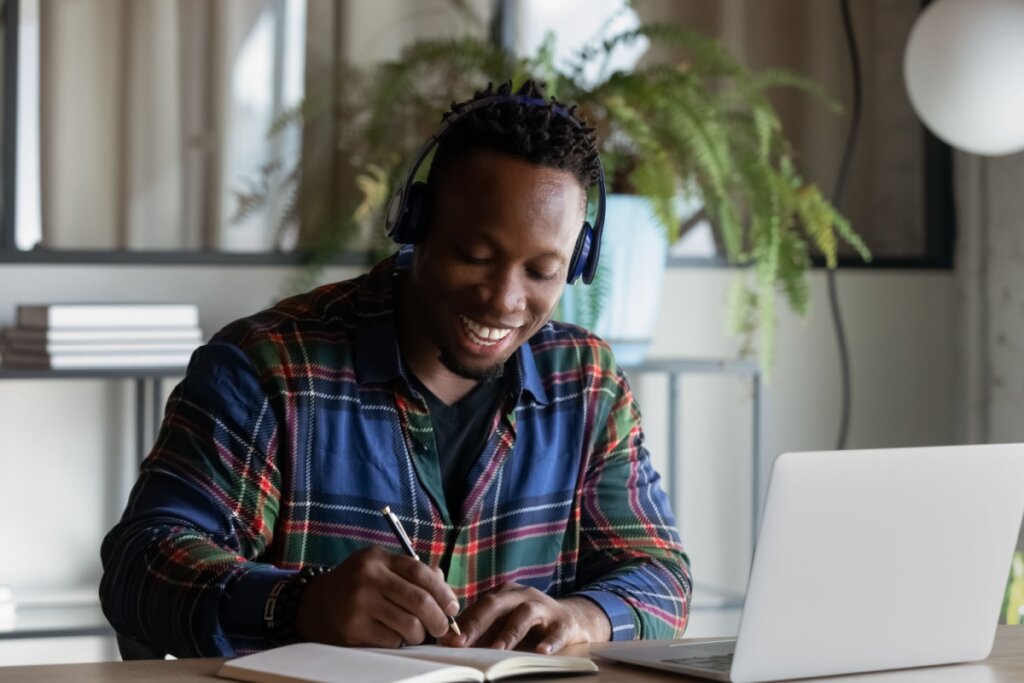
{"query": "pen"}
(403, 538)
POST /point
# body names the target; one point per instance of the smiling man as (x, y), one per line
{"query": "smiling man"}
(491, 268)
(509, 445)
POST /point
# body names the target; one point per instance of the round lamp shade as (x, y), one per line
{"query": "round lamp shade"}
(964, 68)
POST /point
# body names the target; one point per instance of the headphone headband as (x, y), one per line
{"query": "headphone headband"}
(403, 220)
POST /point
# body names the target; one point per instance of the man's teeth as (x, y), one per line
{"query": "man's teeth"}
(486, 336)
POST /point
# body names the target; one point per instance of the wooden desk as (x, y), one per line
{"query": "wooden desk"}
(1006, 664)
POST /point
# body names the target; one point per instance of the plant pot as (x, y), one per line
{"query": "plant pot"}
(621, 304)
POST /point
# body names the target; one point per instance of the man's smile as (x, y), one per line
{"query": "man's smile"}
(482, 334)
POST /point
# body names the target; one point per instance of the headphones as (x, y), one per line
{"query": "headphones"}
(405, 220)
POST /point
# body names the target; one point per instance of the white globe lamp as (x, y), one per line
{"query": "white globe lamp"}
(964, 70)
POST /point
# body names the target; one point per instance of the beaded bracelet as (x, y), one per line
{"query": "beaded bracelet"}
(282, 605)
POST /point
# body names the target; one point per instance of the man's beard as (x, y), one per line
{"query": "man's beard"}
(478, 374)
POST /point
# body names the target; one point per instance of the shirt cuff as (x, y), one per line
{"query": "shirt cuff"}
(245, 598)
(621, 616)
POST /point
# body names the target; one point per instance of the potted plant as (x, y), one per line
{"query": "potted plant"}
(698, 130)
(702, 127)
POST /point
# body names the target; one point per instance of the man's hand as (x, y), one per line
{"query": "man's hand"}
(514, 615)
(376, 598)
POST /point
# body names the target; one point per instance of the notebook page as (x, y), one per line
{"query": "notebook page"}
(497, 663)
(316, 663)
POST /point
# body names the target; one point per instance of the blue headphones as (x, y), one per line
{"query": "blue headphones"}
(405, 220)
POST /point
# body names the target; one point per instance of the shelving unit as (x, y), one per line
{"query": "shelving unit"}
(148, 391)
(675, 369)
(56, 621)
(53, 619)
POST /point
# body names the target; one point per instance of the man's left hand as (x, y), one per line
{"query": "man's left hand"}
(514, 615)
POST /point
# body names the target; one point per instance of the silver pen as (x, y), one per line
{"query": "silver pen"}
(403, 538)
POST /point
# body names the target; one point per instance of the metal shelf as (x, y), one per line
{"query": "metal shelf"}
(55, 621)
(675, 368)
(148, 392)
(90, 373)
(727, 366)
(64, 618)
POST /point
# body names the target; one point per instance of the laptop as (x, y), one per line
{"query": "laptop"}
(868, 560)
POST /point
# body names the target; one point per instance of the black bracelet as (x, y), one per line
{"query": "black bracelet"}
(282, 605)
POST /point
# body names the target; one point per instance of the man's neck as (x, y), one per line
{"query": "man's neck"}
(449, 389)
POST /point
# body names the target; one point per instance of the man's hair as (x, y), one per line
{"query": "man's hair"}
(542, 134)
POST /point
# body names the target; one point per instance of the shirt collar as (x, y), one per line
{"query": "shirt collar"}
(528, 376)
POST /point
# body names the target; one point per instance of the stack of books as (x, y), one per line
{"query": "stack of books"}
(89, 336)
(7, 608)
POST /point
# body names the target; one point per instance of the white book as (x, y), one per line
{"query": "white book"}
(21, 336)
(60, 349)
(7, 605)
(89, 361)
(317, 663)
(63, 316)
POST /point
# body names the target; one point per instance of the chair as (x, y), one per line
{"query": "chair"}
(132, 649)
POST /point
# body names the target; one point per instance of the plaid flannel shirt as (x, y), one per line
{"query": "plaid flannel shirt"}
(293, 427)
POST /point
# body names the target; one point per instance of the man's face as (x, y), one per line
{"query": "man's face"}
(494, 260)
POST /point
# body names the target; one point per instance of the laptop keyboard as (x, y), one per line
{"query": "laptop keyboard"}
(712, 662)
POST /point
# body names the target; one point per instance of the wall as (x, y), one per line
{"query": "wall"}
(990, 291)
(67, 454)
(900, 326)
(990, 299)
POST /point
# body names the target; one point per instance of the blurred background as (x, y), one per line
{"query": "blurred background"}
(223, 153)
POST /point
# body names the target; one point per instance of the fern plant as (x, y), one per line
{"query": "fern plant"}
(701, 124)
(705, 124)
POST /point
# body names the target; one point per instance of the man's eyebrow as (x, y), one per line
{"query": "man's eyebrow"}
(551, 254)
(493, 243)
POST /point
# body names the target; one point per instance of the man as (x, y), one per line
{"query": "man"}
(509, 446)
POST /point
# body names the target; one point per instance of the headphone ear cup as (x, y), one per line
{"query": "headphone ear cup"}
(410, 225)
(580, 253)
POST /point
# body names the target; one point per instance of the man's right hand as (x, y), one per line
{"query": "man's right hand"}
(376, 598)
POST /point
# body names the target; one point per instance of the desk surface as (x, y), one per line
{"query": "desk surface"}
(1005, 664)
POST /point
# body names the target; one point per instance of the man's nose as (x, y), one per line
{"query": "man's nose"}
(507, 291)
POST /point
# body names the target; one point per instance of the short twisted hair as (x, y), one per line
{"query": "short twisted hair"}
(538, 134)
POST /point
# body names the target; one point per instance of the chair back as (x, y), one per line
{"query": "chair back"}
(132, 649)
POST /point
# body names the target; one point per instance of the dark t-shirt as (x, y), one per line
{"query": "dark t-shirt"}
(460, 431)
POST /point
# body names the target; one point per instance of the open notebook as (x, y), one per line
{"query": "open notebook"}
(316, 663)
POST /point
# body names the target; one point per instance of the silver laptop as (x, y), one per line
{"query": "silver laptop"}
(868, 560)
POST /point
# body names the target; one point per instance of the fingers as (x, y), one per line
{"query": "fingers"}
(482, 638)
(430, 579)
(419, 605)
(516, 616)
(482, 621)
(558, 636)
(520, 621)
(544, 625)
(401, 622)
(375, 634)
(375, 598)
(421, 591)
